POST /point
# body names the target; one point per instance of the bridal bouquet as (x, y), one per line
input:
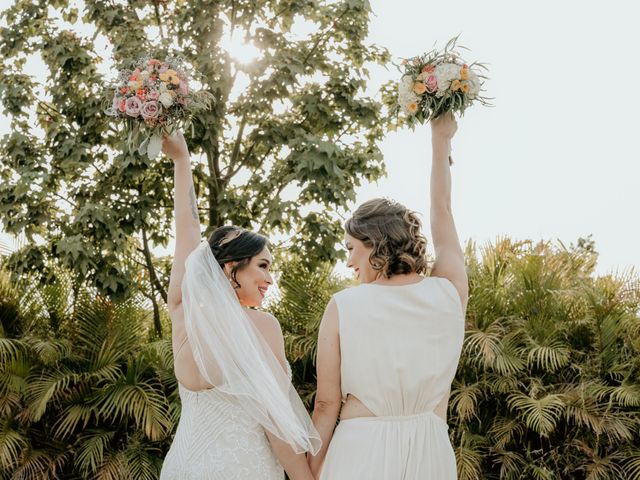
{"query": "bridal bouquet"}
(438, 82)
(153, 99)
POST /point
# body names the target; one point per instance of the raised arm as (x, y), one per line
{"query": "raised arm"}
(449, 261)
(186, 216)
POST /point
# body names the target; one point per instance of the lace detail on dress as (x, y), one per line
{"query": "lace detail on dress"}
(215, 439)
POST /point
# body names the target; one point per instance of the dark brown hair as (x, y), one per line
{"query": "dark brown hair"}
(234, 244)
(395, 234)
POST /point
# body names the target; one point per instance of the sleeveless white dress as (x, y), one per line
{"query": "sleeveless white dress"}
(399, 346)
(217, 440)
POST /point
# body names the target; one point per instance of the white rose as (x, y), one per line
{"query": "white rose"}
(405, 87)
(474, 84)
(165, 99)
(445, 73)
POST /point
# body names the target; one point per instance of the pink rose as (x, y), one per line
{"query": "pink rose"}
(132, 106)
(431, 84)
(183, 88)
(150, 110)
(153, 95)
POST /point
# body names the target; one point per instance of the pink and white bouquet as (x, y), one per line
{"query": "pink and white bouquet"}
(153, 98)
(438, 82)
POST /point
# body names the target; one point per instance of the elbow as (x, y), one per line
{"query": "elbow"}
(327, 405)
(173, 302)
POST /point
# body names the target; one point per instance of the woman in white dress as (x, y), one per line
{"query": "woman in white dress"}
(241, 418)
(388, 349)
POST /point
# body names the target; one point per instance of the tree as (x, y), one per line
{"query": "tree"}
(289, 138)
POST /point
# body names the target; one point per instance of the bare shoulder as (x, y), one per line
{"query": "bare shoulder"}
(269, 327)
(329, 322)
(264, 320)
(459, 282)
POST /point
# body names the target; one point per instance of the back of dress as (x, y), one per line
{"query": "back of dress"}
(400, 344)
(399, 350)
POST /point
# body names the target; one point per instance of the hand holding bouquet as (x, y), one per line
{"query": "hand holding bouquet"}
(154, 100)
(438, 82)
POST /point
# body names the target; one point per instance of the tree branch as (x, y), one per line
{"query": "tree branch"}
(236, 147)
(152, 271)
(323, 37)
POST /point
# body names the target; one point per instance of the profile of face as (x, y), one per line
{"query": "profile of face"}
(358, 259)
(254, 278)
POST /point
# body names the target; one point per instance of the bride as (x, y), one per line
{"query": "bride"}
(241, 418)
(388, 349)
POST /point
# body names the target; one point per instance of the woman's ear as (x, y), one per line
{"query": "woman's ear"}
(228, 267)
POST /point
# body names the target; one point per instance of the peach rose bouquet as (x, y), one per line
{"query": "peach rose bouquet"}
(153, 99)
(438, 82)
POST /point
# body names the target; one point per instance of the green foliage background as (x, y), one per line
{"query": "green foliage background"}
(547, 386)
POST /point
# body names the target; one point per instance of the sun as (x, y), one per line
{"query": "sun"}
(238, 49)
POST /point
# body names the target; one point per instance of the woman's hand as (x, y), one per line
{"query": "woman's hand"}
(444, 127)
(175, 147)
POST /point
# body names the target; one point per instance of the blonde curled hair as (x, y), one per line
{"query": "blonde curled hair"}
(395, 234)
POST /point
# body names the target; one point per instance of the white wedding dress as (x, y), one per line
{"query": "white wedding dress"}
(217, 440)
(221, 433)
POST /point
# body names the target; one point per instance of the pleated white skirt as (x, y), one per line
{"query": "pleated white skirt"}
(415, 447)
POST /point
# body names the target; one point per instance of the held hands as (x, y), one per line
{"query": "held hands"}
(175, 147)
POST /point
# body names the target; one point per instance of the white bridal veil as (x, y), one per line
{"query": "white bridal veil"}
(232, 354)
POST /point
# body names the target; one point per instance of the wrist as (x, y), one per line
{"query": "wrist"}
(440, 139)
(181, 159)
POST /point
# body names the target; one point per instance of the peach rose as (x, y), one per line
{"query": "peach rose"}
(419, 88)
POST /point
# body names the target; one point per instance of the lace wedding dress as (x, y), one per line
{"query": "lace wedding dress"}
(217, 440)
(221, 433)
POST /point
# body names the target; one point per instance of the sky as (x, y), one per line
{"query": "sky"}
(556, 158)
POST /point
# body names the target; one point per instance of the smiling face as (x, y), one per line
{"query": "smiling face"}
(254, 279)
(358, 259)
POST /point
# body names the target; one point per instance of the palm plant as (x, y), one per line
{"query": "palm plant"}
(547, 386)
(84, 393)
(304, 293)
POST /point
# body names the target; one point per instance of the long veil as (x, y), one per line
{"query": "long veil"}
(232, 354)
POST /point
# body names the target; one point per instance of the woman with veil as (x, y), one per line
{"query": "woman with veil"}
(241, 417)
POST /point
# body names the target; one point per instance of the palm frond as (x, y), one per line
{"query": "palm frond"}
(505, 431)
(91, 451)
(539, 414)
(464, 400)
(12, 443)
(141, 402)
